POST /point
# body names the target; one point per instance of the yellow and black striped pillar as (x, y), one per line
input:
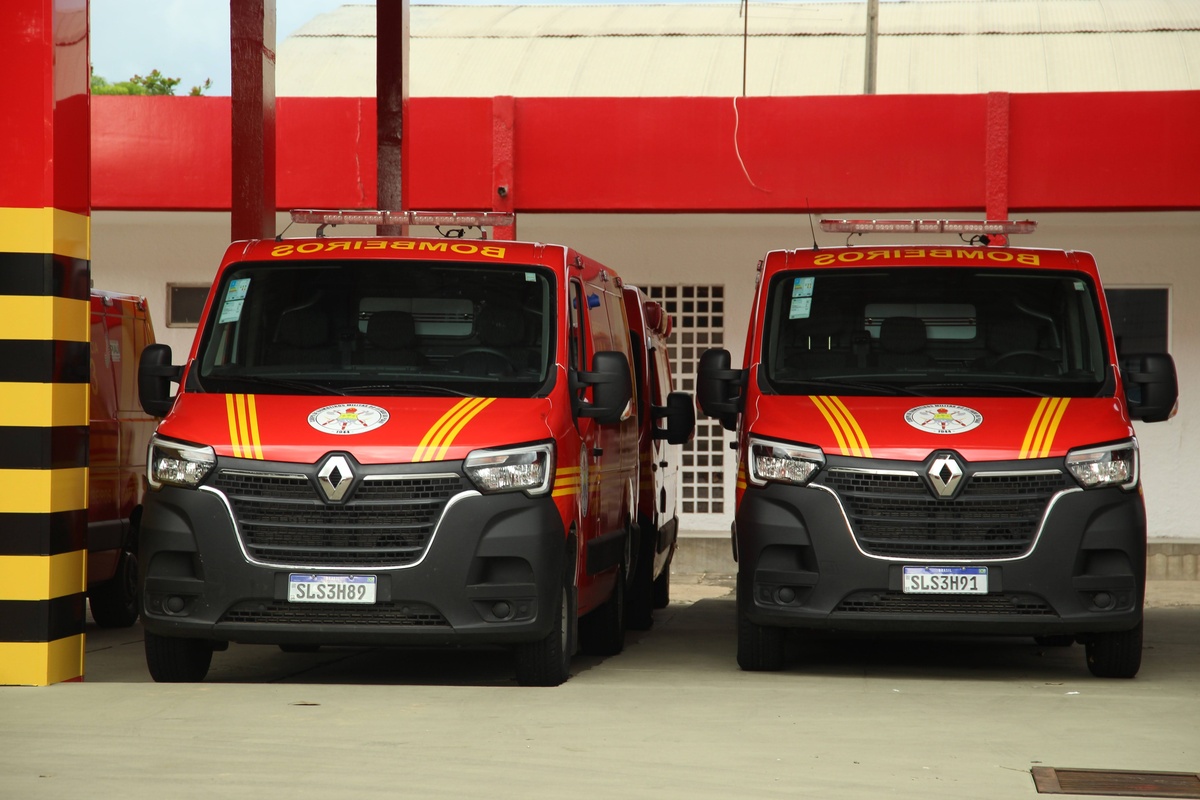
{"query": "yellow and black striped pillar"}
(44, 358)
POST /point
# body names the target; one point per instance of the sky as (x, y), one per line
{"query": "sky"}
(189, 39)
(185, 39)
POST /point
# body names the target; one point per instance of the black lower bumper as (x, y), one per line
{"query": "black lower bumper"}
(799, 566)
(492, 569)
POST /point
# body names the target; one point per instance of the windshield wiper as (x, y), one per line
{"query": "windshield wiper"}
(401, 389)
(308, 387)
(875, 388)
(968, 388)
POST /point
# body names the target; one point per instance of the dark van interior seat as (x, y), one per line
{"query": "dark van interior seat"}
(902, 343)
(391, 340)
(500, 329)
(303, 337)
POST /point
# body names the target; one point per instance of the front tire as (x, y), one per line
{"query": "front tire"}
(547, 662)
(115, 602)
(602, 631)
(639, 611)
(174, 660)
(1115, 654)
(760, 648)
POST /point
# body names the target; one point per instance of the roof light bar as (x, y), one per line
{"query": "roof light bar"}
(468, 219)
(990, 226)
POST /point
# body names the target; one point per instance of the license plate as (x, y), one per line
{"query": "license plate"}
(307, 588)
(945, 580)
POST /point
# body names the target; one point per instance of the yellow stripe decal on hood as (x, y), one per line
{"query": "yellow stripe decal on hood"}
(243, 426)
(1040, 435)
(845, 427)
(440, 436)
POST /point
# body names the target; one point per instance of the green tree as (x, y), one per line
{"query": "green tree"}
(155, 83)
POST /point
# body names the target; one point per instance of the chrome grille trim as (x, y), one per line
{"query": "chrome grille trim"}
(912, 503)
(282, 521)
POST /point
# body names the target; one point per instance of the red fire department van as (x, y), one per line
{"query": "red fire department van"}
(937, 438)
(666, 420)
(119, 432)
(394, 441)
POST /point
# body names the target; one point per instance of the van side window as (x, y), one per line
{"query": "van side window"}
(578, 351)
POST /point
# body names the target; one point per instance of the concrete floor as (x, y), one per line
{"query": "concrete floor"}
(670, 717)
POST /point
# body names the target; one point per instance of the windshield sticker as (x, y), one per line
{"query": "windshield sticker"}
(344, 420)
(235, 296)
(802, 291)
(942, 419)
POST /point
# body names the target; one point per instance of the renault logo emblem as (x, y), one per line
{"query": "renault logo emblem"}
(335, 478)
(945, 474)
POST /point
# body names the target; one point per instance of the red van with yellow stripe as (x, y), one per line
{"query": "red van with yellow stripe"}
(394, 441)
(937, 438)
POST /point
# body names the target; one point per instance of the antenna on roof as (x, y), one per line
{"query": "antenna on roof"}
(812, 228)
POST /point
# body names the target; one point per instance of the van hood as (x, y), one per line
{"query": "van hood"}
(375, 430)
(911, 428)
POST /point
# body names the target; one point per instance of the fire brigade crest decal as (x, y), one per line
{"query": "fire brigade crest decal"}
(943, 419)
(344, 420)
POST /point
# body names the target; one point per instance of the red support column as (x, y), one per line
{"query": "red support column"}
(997, 155)
(252, 69)
(44, 311)
(391, 106)
(504, 112)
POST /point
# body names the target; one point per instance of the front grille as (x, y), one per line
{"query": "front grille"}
(1008, 605)
(994, 516)
(392, 613)
(283, 519)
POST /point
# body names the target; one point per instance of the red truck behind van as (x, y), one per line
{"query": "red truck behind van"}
(119, 434)
(659, 443)
(395, 441)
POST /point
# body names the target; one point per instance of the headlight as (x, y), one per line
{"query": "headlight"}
(525, 469)
(1115, 465)
(783, 463)
(178, 464)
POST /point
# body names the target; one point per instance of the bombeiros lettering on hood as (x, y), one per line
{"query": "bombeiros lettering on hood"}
(333, 246)
(942, 419)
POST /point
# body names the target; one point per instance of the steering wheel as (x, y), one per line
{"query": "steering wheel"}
(1041, 359)
(492, 352)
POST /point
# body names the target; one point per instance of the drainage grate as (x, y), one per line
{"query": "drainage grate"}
(1116, 783)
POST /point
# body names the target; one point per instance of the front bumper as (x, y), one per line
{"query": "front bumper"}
(491, 569)
(800, 566)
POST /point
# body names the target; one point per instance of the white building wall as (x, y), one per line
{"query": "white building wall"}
(140, 252)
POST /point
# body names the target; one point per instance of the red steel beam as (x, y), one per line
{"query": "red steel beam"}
(252, 132)
(1065, 152)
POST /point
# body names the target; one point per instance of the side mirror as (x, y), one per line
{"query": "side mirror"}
(680, 414)
(612, 388)
(155, 375)
(1151, 386)
(719, 388)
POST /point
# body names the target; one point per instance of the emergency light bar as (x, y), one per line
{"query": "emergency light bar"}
(472, 219)
(992, 226)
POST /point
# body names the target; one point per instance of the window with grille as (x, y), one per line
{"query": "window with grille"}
(185, 303)
(699, 323)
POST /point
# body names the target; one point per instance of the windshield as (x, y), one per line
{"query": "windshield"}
(380, 327)
(934, 331)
